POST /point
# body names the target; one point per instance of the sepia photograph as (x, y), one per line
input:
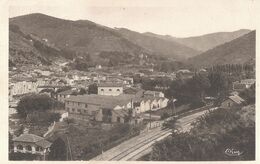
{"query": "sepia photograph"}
(131, 80)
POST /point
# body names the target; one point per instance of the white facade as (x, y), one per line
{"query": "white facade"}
(110, 91)
(151, 104)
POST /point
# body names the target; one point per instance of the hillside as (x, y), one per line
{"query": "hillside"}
(91, 38)
(79, 36)
(23, 49)
(237, 51)
(159, 46)
(204, 42)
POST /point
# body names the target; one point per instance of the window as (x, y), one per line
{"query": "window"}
(118, 90)
(110, 89)
(102, 89)
(38, 148)
(85, 111)
(29, 148)
(73, 110)
(86, 105)
(20, 147)
(79, 110)
(78, 104)
(118, 119)
(68, 109)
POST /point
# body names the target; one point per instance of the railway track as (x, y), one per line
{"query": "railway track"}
(137, 148)
(134, 148)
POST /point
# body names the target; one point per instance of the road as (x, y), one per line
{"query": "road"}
(140, 145)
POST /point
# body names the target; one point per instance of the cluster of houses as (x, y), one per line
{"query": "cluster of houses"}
(112, 104)
(234, 100)
(116, 101)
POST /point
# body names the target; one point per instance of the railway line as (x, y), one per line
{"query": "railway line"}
(132, 151)
(140, 145)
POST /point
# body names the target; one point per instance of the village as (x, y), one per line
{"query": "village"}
(101, 98)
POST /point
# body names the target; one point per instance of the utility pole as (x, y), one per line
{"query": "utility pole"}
(150, 116)
(173, 107)
(68, 148)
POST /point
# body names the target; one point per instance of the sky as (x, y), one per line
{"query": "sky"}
(179, 18)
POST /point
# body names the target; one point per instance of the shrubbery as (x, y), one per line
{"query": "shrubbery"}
(211, 136)
(42, 117)
(33, 103)
(116, 135)
(22, 157)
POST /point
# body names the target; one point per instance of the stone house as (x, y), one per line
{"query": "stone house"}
(232, 101)
(243, 84)
(33, 144)
(109, 109)
(110, 89)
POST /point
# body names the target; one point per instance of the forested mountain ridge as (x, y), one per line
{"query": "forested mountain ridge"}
(237, 51)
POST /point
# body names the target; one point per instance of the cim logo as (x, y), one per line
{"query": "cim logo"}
(233, 152)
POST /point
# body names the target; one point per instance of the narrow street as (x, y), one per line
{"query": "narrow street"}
(140, 145)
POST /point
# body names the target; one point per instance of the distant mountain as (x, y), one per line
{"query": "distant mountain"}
(43, 39)
(204, 42)
(167, 48)
(86, 36)
(76, 35)
(237, 51)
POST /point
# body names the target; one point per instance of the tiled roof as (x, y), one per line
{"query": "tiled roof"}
(248, 81)
(236, 99)
(28, 138)
(103, 101)
(121, 113)
(245, 81)
(43, 143)
(110, 85)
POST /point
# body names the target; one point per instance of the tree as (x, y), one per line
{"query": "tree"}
(58, 150)
(249, 94)
(82, 91)
(198, 86)
(65, 69)
(92, 89)
(210, 136)
(42, 117)
(65, 88)
(33, 103)
(218, 84)
(19, 131)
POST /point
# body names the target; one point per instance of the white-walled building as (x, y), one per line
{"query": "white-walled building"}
(33, 144)
(150, 104)
(110, 89)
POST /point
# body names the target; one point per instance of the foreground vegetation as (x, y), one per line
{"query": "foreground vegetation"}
(88, 141)
(212, 138)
